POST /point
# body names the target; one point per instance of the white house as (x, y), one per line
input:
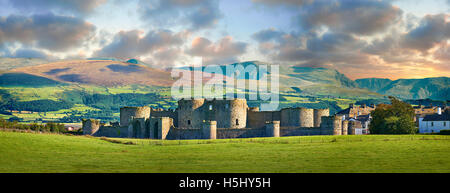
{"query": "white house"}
(434, 123)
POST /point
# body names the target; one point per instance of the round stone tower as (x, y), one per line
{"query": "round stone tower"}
(318, 113)
(238, 113)
(230, 114)
(345, 127)
(190, 113)
(337, 125)
(306, 117)
(209, 130)
(331, 125)
(127, 113)
(273, 129)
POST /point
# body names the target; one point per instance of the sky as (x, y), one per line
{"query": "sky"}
(360, 38)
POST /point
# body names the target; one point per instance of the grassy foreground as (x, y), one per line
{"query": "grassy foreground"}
(27, 152)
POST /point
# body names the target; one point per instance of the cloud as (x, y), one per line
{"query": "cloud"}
(195, 14)
(356, 17)
(78, 7)
(420, 41)
(133, 44)
(223, 51)
(26, 53)
(330, 50)
(226, 50)
(284, 2)
(432, 30)
(51, 32)
(443, 53)
(267, 35)
(166, 57)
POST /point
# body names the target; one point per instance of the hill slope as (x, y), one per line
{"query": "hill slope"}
(305, 80)
(99, 72)
(433, 88)
(373, 84)
(293, 79)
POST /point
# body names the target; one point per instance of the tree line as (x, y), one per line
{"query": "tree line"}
(49, 127)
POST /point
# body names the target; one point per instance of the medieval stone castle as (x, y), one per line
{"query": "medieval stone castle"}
(218, 119)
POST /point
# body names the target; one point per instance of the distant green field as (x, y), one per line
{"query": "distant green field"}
(26, 152)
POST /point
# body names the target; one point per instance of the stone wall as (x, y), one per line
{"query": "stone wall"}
(111, 131)
(127, 113)
(176, 133)
(137, 128)
(258, 119)
(240, 133)
(165, 113)
(90, 126)
(303, 131)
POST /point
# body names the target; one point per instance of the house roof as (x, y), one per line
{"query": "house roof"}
(436, 117)
(363, 118)
(343, 112)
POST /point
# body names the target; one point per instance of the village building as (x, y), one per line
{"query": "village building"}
(434, 123)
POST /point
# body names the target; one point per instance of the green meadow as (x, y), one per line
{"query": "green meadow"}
(29, 152)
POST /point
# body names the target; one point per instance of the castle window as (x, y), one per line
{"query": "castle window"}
(445, 123)
(432, 124)
(210, 107)
(189, 122)
(237, 121)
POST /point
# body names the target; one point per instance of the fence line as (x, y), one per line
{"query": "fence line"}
(300, 140)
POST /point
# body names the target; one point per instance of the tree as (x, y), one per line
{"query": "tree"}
(394, 118)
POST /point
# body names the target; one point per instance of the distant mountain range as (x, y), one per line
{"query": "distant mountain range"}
(293, 79)
(433, 88)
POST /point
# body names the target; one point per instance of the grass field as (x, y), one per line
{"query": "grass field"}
(27, 152)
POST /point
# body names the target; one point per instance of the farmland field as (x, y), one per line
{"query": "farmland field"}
(28, 152)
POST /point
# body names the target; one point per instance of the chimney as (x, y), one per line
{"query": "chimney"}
(439, 111)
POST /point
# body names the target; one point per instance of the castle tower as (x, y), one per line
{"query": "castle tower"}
(273, 129)
(190, 113)
(90, 126)
(331, 125)
(238, 114)
(318, 113)
(306, 117)
(229, 113)
(159, 127)
(128, 113)
(345, 127)
(209, 130)
(337, 125)
(297, 117)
